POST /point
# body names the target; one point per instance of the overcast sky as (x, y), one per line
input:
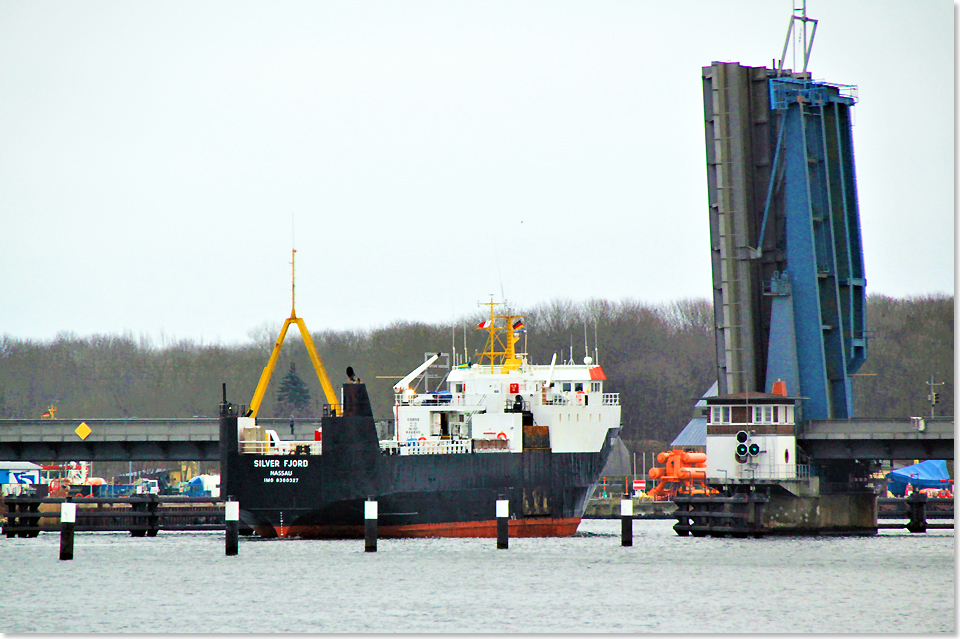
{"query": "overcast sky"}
(158, 160)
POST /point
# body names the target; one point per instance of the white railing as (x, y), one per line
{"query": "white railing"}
(429, 399)
(427, 447)
(611, 399)
(281, 448)
(775, 471)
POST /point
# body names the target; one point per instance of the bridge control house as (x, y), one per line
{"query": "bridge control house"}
(751, 435)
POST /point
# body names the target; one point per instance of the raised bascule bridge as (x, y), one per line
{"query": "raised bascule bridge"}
(785, 449)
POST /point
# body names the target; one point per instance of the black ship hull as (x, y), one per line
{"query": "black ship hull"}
(436, 495)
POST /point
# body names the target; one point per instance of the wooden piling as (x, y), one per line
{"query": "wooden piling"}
(68, 523)
(370, 525)
(231, 513)
(626, 522)
(503, 521)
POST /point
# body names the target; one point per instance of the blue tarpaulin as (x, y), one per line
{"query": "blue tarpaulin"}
(931, 473)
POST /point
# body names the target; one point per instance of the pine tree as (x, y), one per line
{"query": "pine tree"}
(293, 396)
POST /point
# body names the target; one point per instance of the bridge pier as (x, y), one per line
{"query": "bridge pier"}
(757, 509)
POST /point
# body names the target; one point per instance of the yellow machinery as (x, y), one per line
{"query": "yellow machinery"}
(508, 356)
(311, 350)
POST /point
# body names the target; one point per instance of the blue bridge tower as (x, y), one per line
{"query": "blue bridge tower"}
(788, 276)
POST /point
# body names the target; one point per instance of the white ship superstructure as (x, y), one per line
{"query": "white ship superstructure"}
(486, 406)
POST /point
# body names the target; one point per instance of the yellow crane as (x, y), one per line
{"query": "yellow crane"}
(311, 350)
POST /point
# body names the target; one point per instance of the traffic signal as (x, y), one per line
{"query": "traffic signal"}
(745, 447)
(742, 439)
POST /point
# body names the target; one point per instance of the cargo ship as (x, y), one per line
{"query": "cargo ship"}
(501, 428)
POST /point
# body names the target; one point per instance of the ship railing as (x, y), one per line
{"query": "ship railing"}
(430, 399)
(556, 400)
(427, 447)
(511, 406)
(261, 447)
(611, 399)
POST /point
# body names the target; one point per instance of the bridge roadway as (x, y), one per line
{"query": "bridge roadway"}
(196, 439)
(148, 439)
(930, 438)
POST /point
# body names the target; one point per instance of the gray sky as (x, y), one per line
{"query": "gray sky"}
(158, 160)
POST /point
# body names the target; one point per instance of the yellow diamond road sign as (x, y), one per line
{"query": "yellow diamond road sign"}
(83, 430)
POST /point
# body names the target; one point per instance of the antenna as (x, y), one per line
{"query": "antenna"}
(293, 272)
(807, 46)
(496, 252)
(596, 345)
(293, 283)
(586, 348)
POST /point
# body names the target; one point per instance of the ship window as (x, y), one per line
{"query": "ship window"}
(715, 415)
(578, 387)
(768, 414)
(726, 415)
(776, 413)
(594, 387)
(566, 386)
(458, 388)
(757, 414)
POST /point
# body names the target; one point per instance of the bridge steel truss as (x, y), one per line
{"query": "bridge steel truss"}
(788, 276)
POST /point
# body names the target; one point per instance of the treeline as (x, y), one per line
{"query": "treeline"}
(909, 340)
(660, 358)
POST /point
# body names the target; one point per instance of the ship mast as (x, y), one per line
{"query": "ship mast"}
(507, 357)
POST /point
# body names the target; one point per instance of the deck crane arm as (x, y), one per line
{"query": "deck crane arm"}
(258, 395)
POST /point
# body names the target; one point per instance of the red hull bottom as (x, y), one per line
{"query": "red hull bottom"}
(486, 529)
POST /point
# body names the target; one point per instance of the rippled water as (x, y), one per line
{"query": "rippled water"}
(182, 582)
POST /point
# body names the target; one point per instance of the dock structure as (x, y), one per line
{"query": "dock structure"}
(141, 515)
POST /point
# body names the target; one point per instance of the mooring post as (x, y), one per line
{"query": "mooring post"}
(917, 504)
(503, 523)
(153, 517)
(68, 522)
(370, 525)
(231, 516)
(626, 522)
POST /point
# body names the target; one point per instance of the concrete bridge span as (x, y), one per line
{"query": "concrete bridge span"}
(196, 439)
(133, 439)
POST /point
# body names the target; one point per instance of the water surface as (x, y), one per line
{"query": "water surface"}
(182, 582)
